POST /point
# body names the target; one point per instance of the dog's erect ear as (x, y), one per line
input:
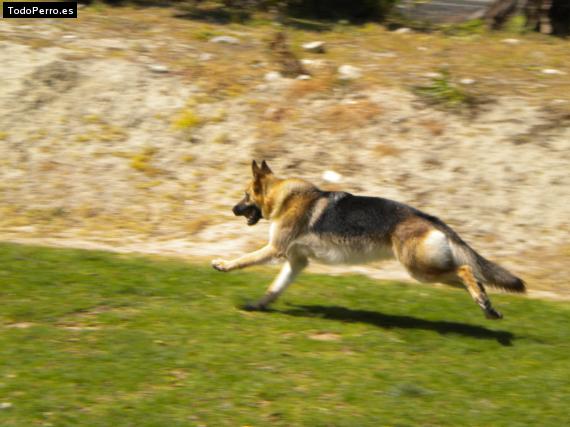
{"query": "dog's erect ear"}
(259, 172)
(254, 168)
(265, 168)
(257, 176)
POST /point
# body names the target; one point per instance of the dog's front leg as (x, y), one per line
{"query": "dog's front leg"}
(287, 275)
(260, 256)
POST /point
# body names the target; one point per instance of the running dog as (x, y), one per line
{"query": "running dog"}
(335, 227)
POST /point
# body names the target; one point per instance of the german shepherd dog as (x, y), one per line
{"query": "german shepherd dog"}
(337, 227)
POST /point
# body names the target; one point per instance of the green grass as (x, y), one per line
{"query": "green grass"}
(96, 339)
(442, 92)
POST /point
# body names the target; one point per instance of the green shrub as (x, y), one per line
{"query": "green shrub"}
(441, 91)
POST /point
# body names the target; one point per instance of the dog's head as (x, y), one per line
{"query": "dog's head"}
(251, 206)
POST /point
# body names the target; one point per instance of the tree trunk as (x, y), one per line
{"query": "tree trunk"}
(537, 14)
(545, 16)
(500, 12)
(560, 17)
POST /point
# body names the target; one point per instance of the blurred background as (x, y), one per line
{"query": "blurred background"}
(132, 129)
(133, 126)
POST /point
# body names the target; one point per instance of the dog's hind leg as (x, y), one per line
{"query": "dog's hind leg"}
(477, 292)
(291, 269)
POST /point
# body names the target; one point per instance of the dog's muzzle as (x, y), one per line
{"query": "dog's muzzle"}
(251, 212)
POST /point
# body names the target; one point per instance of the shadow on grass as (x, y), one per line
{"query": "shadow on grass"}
(389, 321)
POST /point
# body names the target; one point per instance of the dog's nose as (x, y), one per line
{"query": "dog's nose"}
(236, 210)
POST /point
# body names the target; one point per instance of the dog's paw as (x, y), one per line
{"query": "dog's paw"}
(254, 306)
(221, 265)
(493, 314)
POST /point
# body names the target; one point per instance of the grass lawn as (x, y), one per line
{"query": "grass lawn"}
(97, 339)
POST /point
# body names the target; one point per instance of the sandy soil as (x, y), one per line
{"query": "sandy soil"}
(100, 150)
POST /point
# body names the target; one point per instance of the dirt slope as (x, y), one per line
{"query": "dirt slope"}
(106, 142)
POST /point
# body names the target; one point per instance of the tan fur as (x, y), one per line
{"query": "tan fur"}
(477, 292)
(409, 243)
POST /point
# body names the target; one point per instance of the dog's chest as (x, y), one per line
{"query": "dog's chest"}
(339, 250)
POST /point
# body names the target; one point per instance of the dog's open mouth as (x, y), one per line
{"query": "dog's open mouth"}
(253, 215)
(251, 212)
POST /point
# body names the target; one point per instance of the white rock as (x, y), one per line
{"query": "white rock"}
(552, 71)
(303, 77)
(313, 62)
(5, 405)
(349, 72)
(69, 37)
(433, 75)
(403, 30)
(467, 81)
(273, 76)
(315, 47)
(158, 68)
(386, 55)
(205, 56)
(511, 41)
(225, 39)
(332, 176)
(422, 48)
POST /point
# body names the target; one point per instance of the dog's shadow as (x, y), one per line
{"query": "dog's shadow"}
(389, 321)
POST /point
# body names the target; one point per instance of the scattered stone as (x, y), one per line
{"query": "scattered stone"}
(313, 62)
(69, 37)
(403, 30)
(272, 113)
(467, 81)
(332, 176)
(433, 75)
(225, 39)
(552, 71)
(422, 48)
(205, 56)
(349, 72)
(386, 55)
(273, 76)
(303, 77)
(5, 405)
(511, 41)
(158, 68)
(315, 47)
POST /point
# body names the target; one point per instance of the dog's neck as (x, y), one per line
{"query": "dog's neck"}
(283, 191)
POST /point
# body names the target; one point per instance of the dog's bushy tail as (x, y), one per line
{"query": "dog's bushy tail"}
(487, 271)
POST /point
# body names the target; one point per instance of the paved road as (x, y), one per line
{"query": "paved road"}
(443, 10)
